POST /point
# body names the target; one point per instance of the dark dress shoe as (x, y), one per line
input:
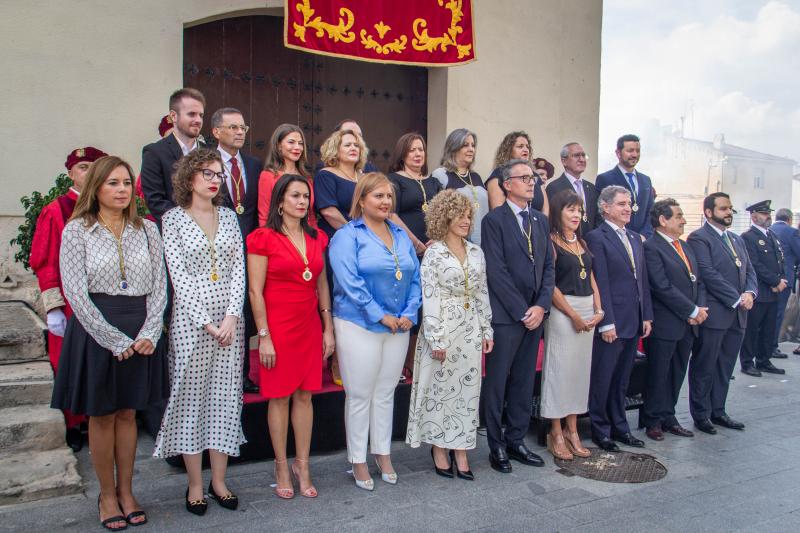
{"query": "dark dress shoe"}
(520, 452)
(198, 507)
(777, 354)
(462, 474)
(606, 444)
(75, 439)
(751, 371)
(498, 459)
(705, 426)
(727, 422)
(679, 430)
(769, 368)
(249, 386)
(229, 501)
(629, 440)
(444, 472)
(654, 433)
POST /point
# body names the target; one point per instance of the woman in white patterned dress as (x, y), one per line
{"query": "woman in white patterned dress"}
(205, 257)
(456, 329)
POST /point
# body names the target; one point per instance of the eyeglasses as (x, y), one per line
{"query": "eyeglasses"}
(209, 174)
(525, 179)
(236, 127)
(579, 155)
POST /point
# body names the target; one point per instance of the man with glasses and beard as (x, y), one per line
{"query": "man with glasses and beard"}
(731, 288)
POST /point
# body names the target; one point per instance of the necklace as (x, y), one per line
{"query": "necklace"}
(398, 275)
(422, 188)
(123, 283)
(353, 178)
(465, 268)
(466, 179)
(237, 182)
(210, 238)
(573, 239)
(302, 251)
(576, 252)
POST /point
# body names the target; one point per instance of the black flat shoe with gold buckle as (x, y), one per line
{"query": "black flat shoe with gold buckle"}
(198, 507)
(229, 501)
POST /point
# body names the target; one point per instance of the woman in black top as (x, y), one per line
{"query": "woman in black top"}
(515, 145)
(568, 332)
(414, 189)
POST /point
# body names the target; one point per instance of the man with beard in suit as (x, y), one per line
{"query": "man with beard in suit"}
(731, 288)
(573, 157)
(679, 308)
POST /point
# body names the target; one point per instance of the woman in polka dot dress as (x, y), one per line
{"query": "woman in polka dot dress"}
(205, 257)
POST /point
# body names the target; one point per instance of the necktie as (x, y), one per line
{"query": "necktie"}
(578, 187)
(237, 193)
(526, 229)
(632, 183)
(677, 244)
(626, 243)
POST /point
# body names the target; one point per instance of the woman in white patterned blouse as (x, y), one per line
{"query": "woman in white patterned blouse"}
(113, 358)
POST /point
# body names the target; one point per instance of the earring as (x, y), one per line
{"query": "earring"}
(280, 211)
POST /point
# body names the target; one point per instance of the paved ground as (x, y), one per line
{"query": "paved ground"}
(734, 481)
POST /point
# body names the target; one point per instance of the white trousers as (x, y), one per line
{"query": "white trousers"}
(371, 365)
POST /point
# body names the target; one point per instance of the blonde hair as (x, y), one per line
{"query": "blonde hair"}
(88, 206)
(329, 151)
(366, 184)
(445, 207)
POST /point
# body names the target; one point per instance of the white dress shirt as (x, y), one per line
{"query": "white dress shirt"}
(227, 165)
(186, 149)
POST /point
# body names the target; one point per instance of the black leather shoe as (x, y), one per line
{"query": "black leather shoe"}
(751, 371)
(628, 439)
(678, 430)
(462, 474)
(498, 459)
(606, 444)
(229, 501)
(75, 439)
(249, 386)
(769, 368)
(727, 422)
(444, 472)
(520, 452)
(705, 426)
(198, 507)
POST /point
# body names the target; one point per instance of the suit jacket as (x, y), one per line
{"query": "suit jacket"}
(724, 281)
(674, 294)
(158, 166)
(766, 256)
(789, 238)
(640, 220)
(562, 183)
(515, 282)
(617, 283)
(248, 221)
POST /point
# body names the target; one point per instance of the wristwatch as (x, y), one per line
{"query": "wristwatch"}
(263, 333)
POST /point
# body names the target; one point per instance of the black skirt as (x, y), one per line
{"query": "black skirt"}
(91, 381)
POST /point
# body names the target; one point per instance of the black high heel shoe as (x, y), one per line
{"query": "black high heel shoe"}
(198, 507)
(444, 472)
(229, 501)
(463, 474)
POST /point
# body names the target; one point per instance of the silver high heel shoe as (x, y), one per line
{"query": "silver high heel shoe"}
(391, 479)
(367, 484)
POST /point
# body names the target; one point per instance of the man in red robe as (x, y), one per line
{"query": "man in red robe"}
(44, 262)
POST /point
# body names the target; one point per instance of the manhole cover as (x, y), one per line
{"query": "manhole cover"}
(615, 467)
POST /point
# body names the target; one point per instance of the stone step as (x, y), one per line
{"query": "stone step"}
(25, 384)
(30, 428)
(31, 476)
(22, 337)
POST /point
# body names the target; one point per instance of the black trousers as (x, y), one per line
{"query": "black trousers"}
(759, 337)
(783, 300)
(611, 371)
(710, 369)
(510, 375)
(667, 361)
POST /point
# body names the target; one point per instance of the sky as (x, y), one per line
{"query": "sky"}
(729, 67)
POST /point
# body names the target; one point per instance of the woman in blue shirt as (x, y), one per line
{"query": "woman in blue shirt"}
(376, 297)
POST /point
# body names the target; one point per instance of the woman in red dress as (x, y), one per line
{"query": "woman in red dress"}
(287, 155)
(292, 310)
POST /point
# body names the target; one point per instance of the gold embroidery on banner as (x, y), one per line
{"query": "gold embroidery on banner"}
(424, 42)
(338, 32)
(397, 46)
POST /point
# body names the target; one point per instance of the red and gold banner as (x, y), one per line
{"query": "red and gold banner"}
(410, 32)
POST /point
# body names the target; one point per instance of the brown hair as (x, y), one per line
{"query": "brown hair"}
(88, 206)
(403, 147)
(329, 152)
(445, 207)
(503, 153)
(186, 168)
(186, 92)
(275, 160)
(366, 184)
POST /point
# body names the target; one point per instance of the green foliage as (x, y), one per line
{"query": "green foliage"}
(33, 205)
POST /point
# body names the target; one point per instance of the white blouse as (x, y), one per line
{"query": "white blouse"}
(90, 264)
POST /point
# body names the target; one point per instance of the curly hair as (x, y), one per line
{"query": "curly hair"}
(445, 207)
(329, 151)
(186, 168)
(503, 153)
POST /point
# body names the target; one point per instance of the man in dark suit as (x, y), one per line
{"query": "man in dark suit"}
(731, 288)
(241, 195)
(573, 157)
(186, 109)
(626, 175)
(521, 277)
(766, 256)
(678, 308)
(620, 271)
(789, 238)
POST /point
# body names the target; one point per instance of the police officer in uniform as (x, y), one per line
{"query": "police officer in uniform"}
(767, 257)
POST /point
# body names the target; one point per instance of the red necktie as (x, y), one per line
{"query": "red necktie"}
(238, 185)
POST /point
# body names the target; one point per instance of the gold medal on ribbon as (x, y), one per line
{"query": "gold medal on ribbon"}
(239, 209)
(398, 275)
(582, 275)
(214, 276)
(466, 305)
(425, 207)
(635, 207)
(307, 274)
(738, 263)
